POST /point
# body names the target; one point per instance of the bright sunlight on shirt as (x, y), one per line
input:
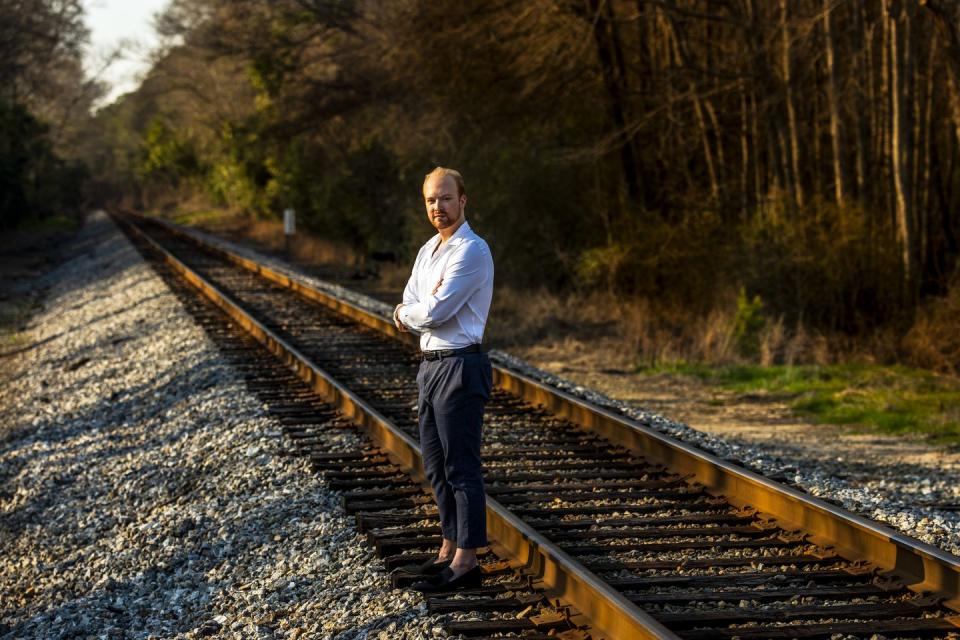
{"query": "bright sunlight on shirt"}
(456, 314)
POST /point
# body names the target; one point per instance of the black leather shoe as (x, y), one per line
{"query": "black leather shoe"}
(445, 581)
(429, 568)
(408, 574)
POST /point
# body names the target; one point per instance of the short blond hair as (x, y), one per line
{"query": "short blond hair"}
(443, 172)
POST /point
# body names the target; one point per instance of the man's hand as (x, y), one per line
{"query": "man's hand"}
(396, 319)
(436, 287)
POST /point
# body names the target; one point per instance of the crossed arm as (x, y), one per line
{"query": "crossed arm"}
(463, 275)
(396, 310)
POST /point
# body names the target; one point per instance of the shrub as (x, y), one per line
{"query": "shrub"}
(827, 266)
(934, 339)
(748, 323)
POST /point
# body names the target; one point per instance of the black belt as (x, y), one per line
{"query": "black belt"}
(440, 354)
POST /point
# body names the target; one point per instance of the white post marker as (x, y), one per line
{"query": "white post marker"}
(289, 228)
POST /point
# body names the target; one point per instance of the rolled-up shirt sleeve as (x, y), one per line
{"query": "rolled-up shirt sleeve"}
(465, 273)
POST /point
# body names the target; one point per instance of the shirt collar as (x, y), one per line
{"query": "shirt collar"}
(460, 234)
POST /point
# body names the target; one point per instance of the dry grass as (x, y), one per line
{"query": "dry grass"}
(304, 248)
(394, 276)
(601, 327)
(934, 340)
(520, 318)
(773, 340)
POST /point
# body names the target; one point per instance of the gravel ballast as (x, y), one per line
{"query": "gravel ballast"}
(141, 490)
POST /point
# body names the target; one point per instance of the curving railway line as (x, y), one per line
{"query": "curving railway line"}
(601, 527)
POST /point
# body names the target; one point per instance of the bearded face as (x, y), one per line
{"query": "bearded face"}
(444, 205)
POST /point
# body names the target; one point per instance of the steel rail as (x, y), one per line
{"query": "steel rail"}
(923, 567)
(610, 614)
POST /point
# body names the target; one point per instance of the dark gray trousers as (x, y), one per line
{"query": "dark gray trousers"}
(453, 393)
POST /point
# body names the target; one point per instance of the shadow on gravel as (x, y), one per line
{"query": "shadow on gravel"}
(91, 437)
(173, 513)
(198, 566)
(81, 327)
(90, 240)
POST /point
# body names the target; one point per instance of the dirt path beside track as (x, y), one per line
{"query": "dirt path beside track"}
(755, 419)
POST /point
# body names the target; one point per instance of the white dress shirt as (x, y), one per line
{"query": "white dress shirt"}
(456, 314)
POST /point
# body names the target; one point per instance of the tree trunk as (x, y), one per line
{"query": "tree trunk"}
(718, 141)
(793, 145)
(923, 160)
(885, 96)
(949, 29)
(864, 69)
(707, 151)
(744, 154)
(758, 183)
(836, 135)
(699, 106)
(816, 177)
(605, 40)
(900, 151)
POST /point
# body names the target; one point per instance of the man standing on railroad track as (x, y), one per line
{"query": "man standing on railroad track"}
(447, 300)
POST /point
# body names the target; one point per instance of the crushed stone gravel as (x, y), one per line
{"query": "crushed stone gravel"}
(141, 494)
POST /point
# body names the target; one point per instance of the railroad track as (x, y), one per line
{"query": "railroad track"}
(599, 526)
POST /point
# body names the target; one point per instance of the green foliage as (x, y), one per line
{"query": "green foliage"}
(354, 196)
(830, 266)
(57, 222)
(602, 265)
(23, 149)
(231, 186)
(34, 182)
(200, 217)
(238, 174)
(267, 70)
(747, 323)
(357, 199)
(166, 156)
(889, 399)
(684, 262)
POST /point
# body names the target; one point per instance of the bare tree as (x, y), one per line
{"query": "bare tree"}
(836, 133)
(36, 36)
(947, 22)
(793, 140)
(900, 144)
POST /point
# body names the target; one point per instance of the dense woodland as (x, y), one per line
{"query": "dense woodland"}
(44, 100)
(792, 164)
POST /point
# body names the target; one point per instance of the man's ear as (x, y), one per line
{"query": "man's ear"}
(463, 201)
